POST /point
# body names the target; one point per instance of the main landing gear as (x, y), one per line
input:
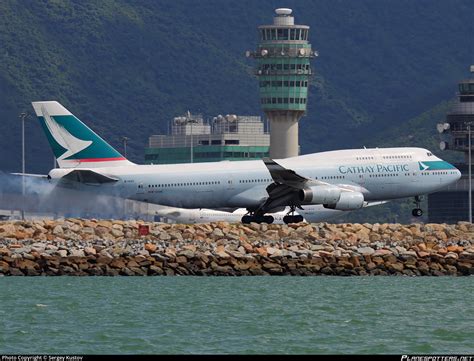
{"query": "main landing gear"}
(258, 217)
(248, 218)
(417, 212)
(291, 217)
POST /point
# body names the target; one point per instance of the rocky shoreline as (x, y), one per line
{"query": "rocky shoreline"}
(110, 248)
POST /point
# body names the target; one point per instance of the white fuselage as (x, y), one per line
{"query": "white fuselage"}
(379, 174)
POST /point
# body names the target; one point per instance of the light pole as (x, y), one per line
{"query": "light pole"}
(470, 165)
(23, 116)
(125, 140)
(192, 144)
(189, 120)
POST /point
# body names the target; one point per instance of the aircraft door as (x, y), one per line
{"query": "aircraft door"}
(230, 181)
(140, 188)
(415, 174)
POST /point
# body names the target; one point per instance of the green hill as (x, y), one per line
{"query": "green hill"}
(126, 68)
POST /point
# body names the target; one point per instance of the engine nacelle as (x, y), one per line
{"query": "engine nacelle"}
(320, 195)
(348, 201)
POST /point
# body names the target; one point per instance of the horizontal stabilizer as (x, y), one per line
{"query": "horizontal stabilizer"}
(31, 175)
(88, 176)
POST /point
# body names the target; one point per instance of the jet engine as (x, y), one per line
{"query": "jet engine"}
(348, 201)
(320, 195)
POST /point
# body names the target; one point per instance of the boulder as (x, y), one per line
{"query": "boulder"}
(272, 251)
(189, 254)
(423, 254)
(366, 251)
(90, 251)
(58, 230)
(451, 255)
(398, 267)
(381, 252)
(7, 230)
(15, 272)
(62, 253)
(116, 232)
(164, 236)
(217, 233)
(104, 260)
(77, 253)
(150, 247)
(355, 261)
(4, 267)
(451, 270)
(455, 248)
(463, 267)
(440, 235)
(118, 263)
(222, 254)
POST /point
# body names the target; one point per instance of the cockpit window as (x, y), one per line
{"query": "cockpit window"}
(429, 154)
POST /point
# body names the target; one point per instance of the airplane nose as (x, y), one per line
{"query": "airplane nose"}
(458, 174)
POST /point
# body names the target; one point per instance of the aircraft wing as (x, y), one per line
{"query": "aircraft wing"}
(283, 175)
(287, 183)
(288, 177)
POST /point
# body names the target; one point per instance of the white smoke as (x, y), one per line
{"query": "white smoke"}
(43, 197)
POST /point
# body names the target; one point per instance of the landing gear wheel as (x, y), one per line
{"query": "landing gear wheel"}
(247, 219)
(417, 212)
(293, 219)
(298, 218)
(267, 219)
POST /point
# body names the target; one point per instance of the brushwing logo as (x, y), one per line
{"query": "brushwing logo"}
(62, 136)
(423, 166)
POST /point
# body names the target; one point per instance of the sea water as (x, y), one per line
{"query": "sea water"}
(208, 315)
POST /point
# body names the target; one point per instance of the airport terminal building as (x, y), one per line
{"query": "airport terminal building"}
(192, 139)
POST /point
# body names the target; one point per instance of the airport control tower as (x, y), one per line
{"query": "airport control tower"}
(283, 69)
(451, 205)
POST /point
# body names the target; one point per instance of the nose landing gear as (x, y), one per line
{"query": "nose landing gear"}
(417, 212)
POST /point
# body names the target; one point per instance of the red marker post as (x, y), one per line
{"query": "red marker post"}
(143, 230)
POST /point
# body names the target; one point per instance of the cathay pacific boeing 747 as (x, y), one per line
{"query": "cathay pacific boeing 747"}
(341, 180)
